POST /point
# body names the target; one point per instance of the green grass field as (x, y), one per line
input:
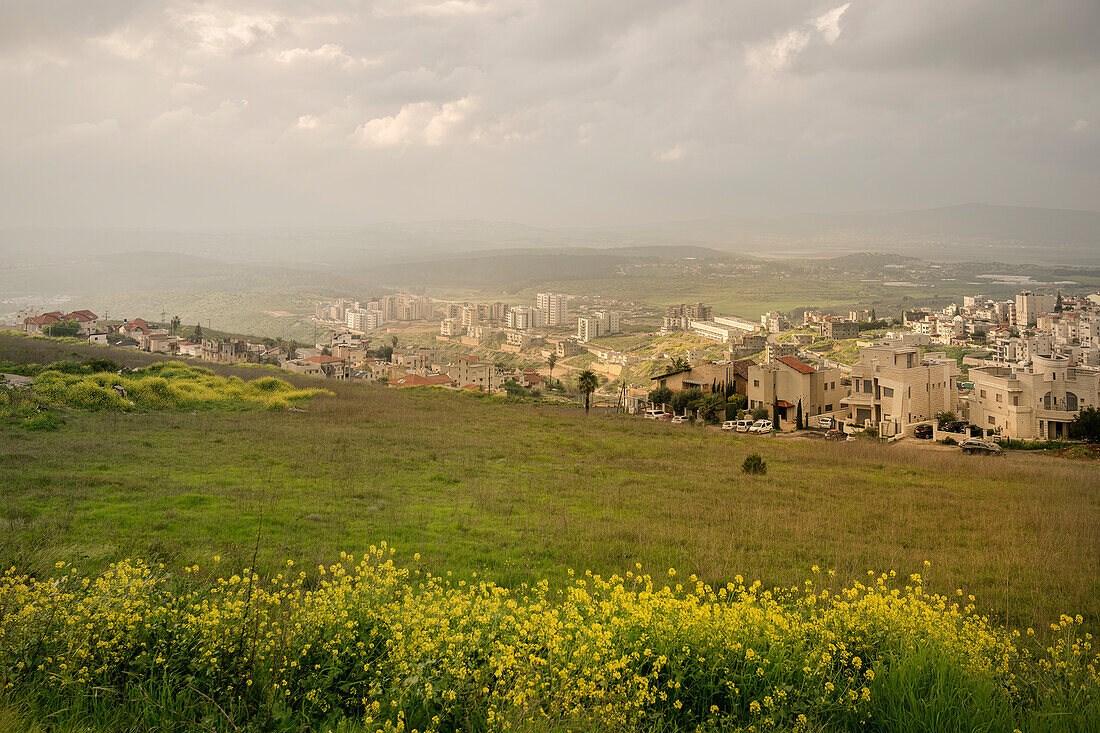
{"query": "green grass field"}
(524, 492)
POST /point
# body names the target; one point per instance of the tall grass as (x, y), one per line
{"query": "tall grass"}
(400, 648)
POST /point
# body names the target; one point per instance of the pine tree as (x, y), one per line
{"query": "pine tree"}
(798, 416)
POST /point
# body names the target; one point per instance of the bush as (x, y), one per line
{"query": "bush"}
(44, 422)
(754, 464)
(949, 441)
(162, 386)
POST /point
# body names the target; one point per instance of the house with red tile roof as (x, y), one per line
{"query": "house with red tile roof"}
(134, 327)
(788, 385)
(40, 324)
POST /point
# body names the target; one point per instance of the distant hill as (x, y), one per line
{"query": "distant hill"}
(968, 231)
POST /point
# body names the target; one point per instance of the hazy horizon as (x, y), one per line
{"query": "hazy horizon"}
(209, 115)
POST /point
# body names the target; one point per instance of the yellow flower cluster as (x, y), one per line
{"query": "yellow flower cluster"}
(403, 649)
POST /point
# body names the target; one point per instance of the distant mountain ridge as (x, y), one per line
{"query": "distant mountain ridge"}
(980, 232)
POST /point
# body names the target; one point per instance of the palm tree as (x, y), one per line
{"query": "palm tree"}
(587, 381)
(175, 324)
(550, 362)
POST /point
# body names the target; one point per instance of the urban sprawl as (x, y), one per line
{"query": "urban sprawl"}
(1019, 369)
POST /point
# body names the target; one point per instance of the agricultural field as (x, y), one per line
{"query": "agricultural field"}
(476, 491)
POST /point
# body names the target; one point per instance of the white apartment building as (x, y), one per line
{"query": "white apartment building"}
(451, 327)
(600, 323)
(556, 307)
(895, 387)
(524, 318)
(1029, 305)
(1034, 401)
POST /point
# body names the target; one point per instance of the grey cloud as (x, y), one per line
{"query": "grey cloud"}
(556, 111)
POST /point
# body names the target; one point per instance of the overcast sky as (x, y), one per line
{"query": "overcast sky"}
(180, 114)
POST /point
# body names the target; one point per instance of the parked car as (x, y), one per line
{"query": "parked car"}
(922, 431)
(835, 434)
(679, 420)
(729, 425)
(825, 423)
(743, 426)
(654, 414)
(956, 426)
(665, 417)
(761, 426)
(973, 445)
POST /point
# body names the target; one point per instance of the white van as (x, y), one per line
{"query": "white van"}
(742, 426)
(655, 414)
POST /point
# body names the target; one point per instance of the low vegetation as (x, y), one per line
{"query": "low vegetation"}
(160, 386)
(372, 646)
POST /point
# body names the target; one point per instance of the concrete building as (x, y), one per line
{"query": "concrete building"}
(679, 317)
(704, 376)
(1034, 401)
(566, 348)
(896, 387)
(840, 329)
(774, 350)
(524, 318)
(1029, 305)
(451, 327)
(787, 382)
(600, 323)
(555, 306)
(470, 370)
(774, 322)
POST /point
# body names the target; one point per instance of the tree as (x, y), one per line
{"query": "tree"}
(759, 413)
(683, 398)
(63, 328)
(198, 332)
(708, 407)
(775, 413)
(680, 364)
(798, 416)
(660, 396)
(515, 389)
(1058, 303)
(1086, 425)
(942, 418)
(175, 324)
(735, 403)
(587, 381)
(393, 341)
(551, 361)
(754, 464)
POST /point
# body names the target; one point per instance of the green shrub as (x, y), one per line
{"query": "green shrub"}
(949, 441)
(754, 464)
(163, 386)
(43, 421)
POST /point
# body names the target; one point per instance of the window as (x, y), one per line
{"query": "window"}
(999, 397)
(828, 408)
(1015, 400)
(867, 386)
(887, 392)
(1071, 402)
(991, 420)
(983, 393)
(756, 383)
